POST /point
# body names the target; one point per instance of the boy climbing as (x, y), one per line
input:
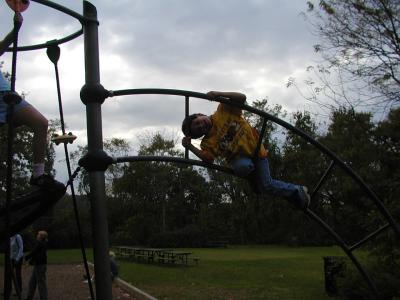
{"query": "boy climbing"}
(26, 114)
(228, 135)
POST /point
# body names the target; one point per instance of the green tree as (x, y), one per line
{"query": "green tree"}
(384, 259)
(61, 223)
(115, 147)
(350, 137)
(387, 139)
(161, 197)
(361, 37)
(303, 164)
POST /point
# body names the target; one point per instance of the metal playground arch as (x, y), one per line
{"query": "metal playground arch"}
(93, 95)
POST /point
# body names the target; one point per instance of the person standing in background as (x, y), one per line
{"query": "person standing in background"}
(16, 256)
(38, 258)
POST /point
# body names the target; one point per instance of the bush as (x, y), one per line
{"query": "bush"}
(136, 230)
(189, 236)
(385, 273)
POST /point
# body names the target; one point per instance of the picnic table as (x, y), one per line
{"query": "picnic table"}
(174, 257)
(151, 255)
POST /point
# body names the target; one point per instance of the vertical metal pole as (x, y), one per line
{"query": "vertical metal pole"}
(95, 143)
(186, 114)
(260, 138)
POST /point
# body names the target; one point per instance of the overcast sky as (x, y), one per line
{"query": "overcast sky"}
(249, 46)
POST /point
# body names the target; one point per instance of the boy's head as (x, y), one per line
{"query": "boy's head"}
(196, 125)
(41, 235)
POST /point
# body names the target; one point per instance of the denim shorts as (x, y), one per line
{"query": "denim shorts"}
(3, 107)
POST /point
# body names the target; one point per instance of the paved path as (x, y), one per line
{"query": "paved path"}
(65, 282)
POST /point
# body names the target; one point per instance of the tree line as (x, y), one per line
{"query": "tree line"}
(164, 204)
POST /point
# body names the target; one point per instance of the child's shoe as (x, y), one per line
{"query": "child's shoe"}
(302, 199)
(46, 182)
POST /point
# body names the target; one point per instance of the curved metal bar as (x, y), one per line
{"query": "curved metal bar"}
(368, 237)
(346, 249)
(172, 159)
(68, 38)
(282, 123)
(152, 91)
(50, 43)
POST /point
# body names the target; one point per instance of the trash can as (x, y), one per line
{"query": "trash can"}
(333, 268)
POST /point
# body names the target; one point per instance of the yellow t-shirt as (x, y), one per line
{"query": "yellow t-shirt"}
(230, 135)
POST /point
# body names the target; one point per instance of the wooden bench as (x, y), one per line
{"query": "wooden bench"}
(166, 260)
(150, 255)
(139, 256)
(123, 255)
(195, 260)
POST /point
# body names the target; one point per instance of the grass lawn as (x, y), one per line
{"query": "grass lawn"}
(269, 272)
(64, 256)
(237, 273)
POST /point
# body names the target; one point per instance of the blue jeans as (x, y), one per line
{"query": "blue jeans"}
(243, 166)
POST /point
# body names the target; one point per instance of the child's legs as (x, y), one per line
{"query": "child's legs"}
(270, 185)
(243, 166)
(41, 281)
(32, 118)
(32, 284)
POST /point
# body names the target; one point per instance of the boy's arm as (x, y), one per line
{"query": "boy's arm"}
(186, 142)
(233, 96)
(9, 38)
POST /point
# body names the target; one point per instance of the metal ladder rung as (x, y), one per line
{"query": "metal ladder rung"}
(323, 179)
(368, 237)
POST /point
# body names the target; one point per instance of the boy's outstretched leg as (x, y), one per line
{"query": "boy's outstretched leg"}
(32, 118)
(296, 193)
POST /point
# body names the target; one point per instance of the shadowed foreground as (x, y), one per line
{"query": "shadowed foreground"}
(64, 282)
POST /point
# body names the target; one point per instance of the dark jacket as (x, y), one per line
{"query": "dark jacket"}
(38, 255)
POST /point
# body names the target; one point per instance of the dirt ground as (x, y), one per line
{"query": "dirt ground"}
(65, 282)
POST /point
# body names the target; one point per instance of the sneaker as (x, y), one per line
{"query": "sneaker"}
(302, 200)
(45, 182)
